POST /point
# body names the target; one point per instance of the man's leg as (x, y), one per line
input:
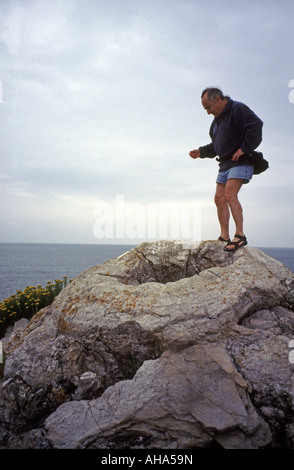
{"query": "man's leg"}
(233, 186)
(232, 189)
(223, 211)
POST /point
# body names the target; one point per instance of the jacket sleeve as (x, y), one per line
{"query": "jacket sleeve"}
(252, 128)
(207, 151)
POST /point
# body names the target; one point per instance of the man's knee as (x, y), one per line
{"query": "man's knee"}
(232, 189)
(220, 200)
(230, 196)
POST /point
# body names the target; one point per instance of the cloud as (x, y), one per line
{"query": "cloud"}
(101, 98)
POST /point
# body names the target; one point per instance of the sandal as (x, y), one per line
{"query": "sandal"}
(236, 245)
(221, 239)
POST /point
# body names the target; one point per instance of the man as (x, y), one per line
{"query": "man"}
(235, 132)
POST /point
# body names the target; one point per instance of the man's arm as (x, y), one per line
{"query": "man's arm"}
(252, 128)
(207, 151)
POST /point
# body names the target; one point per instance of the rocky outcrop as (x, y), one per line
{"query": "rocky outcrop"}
(171, 345)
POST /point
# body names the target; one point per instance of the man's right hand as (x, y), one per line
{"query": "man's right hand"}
(194, 153)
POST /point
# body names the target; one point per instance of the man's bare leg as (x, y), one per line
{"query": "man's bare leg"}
(232, 189)
(226, 200)
(223, 211)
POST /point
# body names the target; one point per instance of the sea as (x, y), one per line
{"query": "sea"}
(32, 264)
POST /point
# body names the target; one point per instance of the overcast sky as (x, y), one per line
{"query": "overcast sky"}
(101, 106)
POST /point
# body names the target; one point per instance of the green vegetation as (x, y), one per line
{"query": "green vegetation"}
(25, 304)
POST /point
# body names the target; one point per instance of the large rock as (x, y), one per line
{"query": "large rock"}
(171, 345)
(182, 400)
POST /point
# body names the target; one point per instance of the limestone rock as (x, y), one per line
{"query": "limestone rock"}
(14, 329)
(203, 332)
(181, 400)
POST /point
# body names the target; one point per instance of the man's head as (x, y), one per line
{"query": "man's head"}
(213, 101)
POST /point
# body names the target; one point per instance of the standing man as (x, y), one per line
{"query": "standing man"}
(235, 132)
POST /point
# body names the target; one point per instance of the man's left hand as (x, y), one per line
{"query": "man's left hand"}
(237, 155)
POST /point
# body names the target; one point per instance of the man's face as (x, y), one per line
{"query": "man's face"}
(215, 107)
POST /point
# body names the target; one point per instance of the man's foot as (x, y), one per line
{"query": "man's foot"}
(221, 239)
(237, 242)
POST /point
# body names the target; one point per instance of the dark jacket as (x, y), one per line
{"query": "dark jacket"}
(236, 127)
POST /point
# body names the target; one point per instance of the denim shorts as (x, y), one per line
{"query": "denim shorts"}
(243, 172)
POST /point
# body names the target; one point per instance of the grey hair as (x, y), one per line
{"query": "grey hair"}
(212, 93)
